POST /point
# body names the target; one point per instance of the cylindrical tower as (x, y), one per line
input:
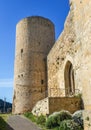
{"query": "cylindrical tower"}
(34, 38)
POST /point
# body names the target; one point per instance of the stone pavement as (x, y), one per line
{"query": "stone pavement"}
(17, 122)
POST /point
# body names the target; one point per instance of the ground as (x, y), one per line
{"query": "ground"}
(16, 122)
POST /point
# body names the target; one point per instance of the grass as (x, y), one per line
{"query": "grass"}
(3, 121)
(30, 116)
(4, 116)
(35, 119)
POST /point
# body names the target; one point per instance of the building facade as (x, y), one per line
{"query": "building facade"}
(68, 61)
(70, 57)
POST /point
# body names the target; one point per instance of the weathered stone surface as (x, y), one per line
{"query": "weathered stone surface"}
(74, 46)
(41, 107)
(34, 38)
(53, 104)
(68, 62)
(71, 104)
(87, 119)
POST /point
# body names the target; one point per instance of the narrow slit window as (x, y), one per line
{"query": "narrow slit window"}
(21, 52)
(42, 81)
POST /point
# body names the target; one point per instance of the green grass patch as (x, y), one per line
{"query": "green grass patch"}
(30, 116)
(39, 120)
(4, 116)
(3, 121)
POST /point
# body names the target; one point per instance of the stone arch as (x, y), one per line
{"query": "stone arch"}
(69, 79)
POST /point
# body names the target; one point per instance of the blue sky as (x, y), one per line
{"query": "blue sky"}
(11, 11)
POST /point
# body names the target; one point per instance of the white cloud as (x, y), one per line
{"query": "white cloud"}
(6, 82)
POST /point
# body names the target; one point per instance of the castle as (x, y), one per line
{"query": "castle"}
(54, 73)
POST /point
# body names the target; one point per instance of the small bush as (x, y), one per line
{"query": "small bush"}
(57, 128)
(41, 120)
(69, 125)
(51, 122)
(78, 118)
(55, 119)
(30, 116)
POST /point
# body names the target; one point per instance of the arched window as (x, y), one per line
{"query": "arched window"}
(69, 79)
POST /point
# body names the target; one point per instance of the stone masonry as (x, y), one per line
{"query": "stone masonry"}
(34, 39)
(69, 65)
(53, 104)
(68, 61)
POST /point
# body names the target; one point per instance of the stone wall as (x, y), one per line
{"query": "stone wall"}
(53, 104)
(87, 119)
(34, 38)
(70, 104)
(73, 45)
(41, 107)
(82, 19)
(64, 50)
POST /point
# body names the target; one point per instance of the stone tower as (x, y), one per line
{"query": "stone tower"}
(35, 37)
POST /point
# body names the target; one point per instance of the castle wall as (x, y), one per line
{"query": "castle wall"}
(58, 104)
(34, 38)
(41, 107)
(50, 105)
(82, 28)
(74, 45)
(64, 50)
(83, 31)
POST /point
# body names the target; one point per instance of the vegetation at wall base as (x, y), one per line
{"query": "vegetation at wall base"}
(78, 118)
(41, 120)
(30, 116)
(62, 120)
(69, 125)
(55, 119)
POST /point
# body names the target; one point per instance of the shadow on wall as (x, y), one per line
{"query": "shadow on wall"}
(82, 104)
(4, 125)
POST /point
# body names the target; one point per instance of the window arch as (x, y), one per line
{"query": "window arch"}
(69, 79)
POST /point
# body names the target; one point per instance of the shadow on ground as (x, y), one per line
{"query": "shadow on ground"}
(4, 125)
